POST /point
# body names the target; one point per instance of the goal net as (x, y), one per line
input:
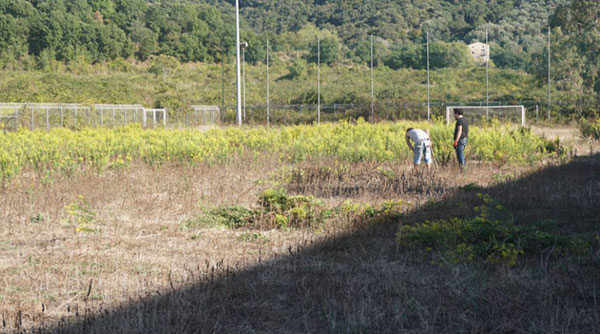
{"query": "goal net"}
(513, 113)
(206, 115)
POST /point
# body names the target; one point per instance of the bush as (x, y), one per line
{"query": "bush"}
(221, 217)
(492, 236)
(590, 129)
(293, 211)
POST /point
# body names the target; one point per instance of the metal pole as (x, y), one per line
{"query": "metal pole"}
(47, 120)
(268, 98)
(32, 119)
(101, 118)
(244, 79)
(318, 79)
(237, 59)
(372, 86)
(549, 96)
(222, 81)
(487, 81)
(428, 96)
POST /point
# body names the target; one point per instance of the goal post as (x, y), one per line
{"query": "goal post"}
(490, 112)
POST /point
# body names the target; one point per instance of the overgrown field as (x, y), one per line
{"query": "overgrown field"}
(322, 228)
(177, 88)
(68, 151)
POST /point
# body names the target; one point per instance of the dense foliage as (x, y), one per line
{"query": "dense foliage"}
(492, 236)
(66, 151)
(36, 34)
(198, 30)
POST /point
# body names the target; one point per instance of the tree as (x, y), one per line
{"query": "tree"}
(146, 41)
(407, 55)
(577, 39)
(329, 51)
(442, 54)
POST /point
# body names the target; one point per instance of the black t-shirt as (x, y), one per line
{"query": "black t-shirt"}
(465, 128)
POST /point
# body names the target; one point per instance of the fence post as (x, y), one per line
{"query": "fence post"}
(537, 110)
(32, 128)
(47, 120)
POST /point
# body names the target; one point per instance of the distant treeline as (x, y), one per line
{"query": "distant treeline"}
(101, 30)
(36, 33)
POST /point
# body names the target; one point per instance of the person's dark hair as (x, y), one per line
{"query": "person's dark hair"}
(459, 111)
(409, 129)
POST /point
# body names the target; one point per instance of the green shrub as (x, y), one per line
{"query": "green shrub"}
(492, 236)
(221, 217)
(590, 129)
(293, 211)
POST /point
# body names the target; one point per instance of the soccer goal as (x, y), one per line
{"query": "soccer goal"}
(514, 113)
(206, 115)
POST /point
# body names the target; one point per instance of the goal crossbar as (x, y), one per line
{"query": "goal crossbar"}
(521, 108)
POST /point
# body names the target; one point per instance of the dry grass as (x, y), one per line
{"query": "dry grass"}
(571, 136)
(142, 272)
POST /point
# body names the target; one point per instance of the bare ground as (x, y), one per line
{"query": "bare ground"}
(148, 274)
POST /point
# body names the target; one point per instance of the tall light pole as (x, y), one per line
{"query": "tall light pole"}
(372, 86)
(268, 100)
(244, 47)
(428, 96)
(549, 100)
(318, 80)
(237, 59)
(487, 80)
(222, 81)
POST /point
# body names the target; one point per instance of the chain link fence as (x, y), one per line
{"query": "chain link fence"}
(36, 116)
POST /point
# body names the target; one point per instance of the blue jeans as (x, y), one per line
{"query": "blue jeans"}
(460, 151)
(422, 149)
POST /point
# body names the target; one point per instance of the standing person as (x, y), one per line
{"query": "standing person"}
(422, 146)
(461, 133)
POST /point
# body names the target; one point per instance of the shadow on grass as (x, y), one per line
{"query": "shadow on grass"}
(362, 282)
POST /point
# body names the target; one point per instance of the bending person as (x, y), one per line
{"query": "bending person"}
(422, 145)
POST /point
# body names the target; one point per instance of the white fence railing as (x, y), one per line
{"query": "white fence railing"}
(50, 115)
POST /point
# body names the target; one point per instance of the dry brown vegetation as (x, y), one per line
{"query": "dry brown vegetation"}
(137, 270)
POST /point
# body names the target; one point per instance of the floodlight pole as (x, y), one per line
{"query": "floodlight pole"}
(237, 59)
(487, 80)
(222, 81)
(549, 96)
(318, 80)
(244, 45)
(268, 100)
(428, 96)
(372, 86)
